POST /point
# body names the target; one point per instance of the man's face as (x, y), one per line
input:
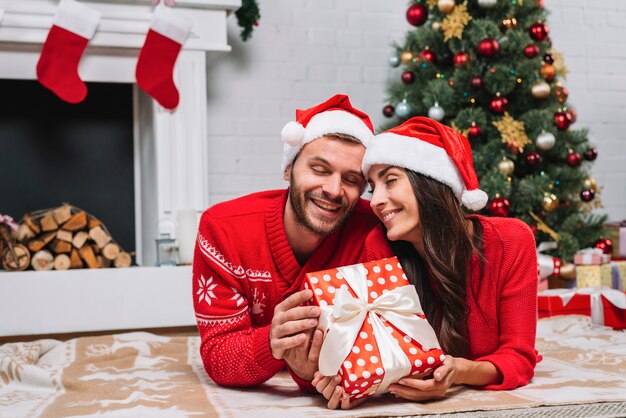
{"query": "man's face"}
(325, 183)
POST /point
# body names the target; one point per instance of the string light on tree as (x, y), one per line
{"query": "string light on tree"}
(436, 112)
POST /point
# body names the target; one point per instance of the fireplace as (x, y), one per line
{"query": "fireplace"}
(169, 167)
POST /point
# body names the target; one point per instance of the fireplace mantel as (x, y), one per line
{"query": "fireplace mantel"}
(171, 156)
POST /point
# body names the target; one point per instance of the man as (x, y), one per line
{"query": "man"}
(252, 252)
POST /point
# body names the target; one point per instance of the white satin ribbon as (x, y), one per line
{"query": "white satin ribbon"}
(545, 261)
(345, 318)
(586, 256)
(617, 299)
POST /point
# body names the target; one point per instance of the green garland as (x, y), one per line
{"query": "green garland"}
(248, 16)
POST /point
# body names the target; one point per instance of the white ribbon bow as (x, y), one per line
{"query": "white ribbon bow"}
(399, 306)
(617, 299)
(544, 261)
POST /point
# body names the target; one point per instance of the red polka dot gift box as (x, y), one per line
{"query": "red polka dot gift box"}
(375, 331)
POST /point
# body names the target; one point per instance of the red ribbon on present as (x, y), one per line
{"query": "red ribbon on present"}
(615, 297)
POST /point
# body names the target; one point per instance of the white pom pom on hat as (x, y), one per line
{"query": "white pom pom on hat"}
(292, 133)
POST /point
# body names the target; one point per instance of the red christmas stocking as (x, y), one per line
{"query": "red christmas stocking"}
(168, 32)
(74, 25)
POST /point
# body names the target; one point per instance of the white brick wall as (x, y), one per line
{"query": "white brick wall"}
(307, 50)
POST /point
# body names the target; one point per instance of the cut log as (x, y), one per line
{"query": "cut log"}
(24, 233)
(93, 222)
(62, 213)
(37, 244)
(48, 223)
(99, 236)
(104, 262)
(64, 235)
(122, 260)
(75, 261)
(42, 260)
(76, 222)
(61, 247)
(79, 239)
(87, 254)
(62, 262)
(21, 254)
(111, 251)
(32, 224)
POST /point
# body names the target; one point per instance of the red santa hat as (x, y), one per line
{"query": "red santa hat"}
(335, 116)
(427, 147)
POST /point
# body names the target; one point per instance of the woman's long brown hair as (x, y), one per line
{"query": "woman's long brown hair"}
(448, 245)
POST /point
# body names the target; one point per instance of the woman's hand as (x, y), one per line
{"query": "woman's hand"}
(330, 388)
(416, 389)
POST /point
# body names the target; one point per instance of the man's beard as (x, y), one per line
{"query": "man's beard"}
(298, 200)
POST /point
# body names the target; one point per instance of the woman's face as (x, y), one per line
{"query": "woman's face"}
(394, 202)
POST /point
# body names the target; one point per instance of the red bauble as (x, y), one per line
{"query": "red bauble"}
(389, 111)
(548, 58)
(562, 120)
(532, 158)
(587, 195)
(477, 82)
(539, 31)
(574, 159)
(572, 114)
(499, 206)
(605, 244)
(488, 47)
(461, 59)
(531, 51)
(591, 154)
(428, 55)
(474, 131)
(561, 94)
(498, 105)
(408, 77)
(417, 14)
(513, 149)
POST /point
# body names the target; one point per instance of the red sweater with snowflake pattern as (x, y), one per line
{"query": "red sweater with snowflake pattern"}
(243, 267)
(502, 301)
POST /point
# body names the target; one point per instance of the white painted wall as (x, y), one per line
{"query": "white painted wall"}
(307, 50)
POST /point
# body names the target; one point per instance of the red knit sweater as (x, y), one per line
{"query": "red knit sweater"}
(243, 267)
(502, 321)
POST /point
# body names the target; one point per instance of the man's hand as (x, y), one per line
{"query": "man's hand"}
(330, 387)
(293, 336)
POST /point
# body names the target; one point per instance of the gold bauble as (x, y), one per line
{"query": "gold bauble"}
(550, 202)
(590, 183)
(547, 71)
(506, 166)
(540, 90)
(509, 22)
(406, 57)
(446, 6)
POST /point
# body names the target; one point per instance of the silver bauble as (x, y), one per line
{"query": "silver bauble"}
(436, 112)
(403, 109)
(394, 59)
(540, 90)
(545, 141)
(487, 4)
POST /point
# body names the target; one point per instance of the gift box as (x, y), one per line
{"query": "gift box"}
(591, 256)
(604, 305)
(616, 232)
(618, 274)
(594, 275)
(375, 331)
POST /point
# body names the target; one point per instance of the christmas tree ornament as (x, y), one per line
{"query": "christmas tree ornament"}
(574, 159)
(474, 130)
(417, 14)
(591, 154)
(590, 183)
(562, 120)
(499, 206)
(538, 31)
(540, 90)
(587, 195)
(394, 59)
(506, 166)
(408, 77)
(454, 23)
(388, 111)
(488, 47)
(572, 114)
(545, 141)
(436, 112)
(403, 109)
(605, 244)
(561, 93)
(509, 22)
(155, 67)
(498, 104)
(531, 51)
(533, 158)
(512, 132)
(550, 202)
(477, 82)
(461, 59)
(73, 26)
(487, 4)
(446, 6)
(428, 55)
(436, 25)
(559, 64)
(406, 57)
(547, 58)
(547, 72)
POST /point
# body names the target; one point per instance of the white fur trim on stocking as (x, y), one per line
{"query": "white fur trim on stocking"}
(474, 199)
(77, 18)
(292, 133)
(171, 24)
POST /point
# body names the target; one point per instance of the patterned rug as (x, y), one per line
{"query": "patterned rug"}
(583, 374)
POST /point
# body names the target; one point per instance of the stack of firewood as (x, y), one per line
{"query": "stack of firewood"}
(67, 237)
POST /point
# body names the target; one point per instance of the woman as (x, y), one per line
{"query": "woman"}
(476, 276)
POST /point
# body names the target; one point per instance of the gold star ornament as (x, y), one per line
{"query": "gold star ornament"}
(454, 23)
(512, 132)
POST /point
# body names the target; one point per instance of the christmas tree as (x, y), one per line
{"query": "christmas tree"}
(487, 68)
